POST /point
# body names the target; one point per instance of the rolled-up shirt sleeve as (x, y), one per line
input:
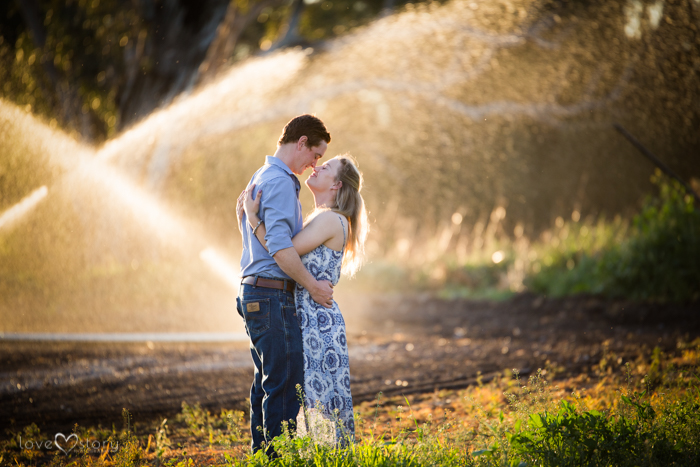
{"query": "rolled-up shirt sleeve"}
(277, 208)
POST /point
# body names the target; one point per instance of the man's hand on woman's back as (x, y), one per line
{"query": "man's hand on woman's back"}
(323, 294)
(289, 261)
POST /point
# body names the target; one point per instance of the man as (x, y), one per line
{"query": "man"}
(266, 297)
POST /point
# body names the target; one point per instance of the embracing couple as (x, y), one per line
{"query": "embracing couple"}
(289, 268)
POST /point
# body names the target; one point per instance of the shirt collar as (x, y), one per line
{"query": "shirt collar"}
(272, 160)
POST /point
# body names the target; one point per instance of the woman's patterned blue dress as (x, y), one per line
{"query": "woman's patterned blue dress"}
(328, 411)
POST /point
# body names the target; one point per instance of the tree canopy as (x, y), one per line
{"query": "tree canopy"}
(96, 66)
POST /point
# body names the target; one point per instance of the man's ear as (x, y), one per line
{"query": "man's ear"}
(302, 142)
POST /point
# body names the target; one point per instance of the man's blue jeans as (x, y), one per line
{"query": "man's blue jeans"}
(273, 326)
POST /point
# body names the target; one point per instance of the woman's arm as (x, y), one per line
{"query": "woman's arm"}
(251, 207)
(322, 228)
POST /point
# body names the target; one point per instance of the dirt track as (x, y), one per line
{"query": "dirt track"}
(409, 344)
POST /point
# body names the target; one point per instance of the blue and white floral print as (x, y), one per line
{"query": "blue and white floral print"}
(327, 401)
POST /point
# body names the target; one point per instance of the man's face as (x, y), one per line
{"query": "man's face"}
(308, 156)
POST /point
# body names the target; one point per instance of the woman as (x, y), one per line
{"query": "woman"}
(332, 241)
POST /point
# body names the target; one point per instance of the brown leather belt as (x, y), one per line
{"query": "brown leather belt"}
(287, 285)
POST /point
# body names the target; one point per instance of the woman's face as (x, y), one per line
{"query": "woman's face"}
(323, 177)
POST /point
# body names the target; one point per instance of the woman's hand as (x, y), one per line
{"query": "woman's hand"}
(240, 210)
(251, 205)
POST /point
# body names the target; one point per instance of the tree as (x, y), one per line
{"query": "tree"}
(98, 66)
(239, 16)
(142, 56)
(68, 100)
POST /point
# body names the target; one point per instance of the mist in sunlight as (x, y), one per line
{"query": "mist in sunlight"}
(97, 252)
(477, 125)
(23, 207)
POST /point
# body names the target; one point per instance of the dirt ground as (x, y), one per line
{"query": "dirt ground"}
(405, 345)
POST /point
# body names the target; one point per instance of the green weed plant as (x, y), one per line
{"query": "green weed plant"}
(650, 420)
(537, 431)
(653, 256)
(656, 257)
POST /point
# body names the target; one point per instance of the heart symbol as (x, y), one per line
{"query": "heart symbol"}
(65, 440)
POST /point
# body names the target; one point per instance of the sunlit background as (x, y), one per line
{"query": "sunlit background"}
(484, 130)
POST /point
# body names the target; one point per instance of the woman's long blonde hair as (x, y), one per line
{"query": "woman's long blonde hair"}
(349, 203)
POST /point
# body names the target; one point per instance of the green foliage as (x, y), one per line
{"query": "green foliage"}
(655, 256)
(129, 452)
(536, 432)
(564, 437)
(477, 278)
(91, 43)
(484, 275)
(640, 429)
(323, 19)
(84, 43)
(201, 424)
(162, 440)
(660, 259)
(656, 259)
(397, 451)
(655, 375)
(570, 437)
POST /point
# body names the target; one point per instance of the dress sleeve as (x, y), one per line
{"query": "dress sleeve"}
(278, 210)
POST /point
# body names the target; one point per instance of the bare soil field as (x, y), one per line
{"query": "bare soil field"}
(405, 345)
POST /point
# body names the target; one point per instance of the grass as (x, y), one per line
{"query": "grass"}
(641, 413)
(652, 257)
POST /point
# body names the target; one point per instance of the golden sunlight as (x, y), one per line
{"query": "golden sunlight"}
(23, 207)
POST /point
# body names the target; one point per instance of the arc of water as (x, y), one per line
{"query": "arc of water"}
(476, 112)
(176, 140)
(285, 66)
(78, 161)
(160, 219)
(222, 267)
(20, 209)
(253, 110)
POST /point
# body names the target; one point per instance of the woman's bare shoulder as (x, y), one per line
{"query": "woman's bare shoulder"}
(329, 221)
(326, 217)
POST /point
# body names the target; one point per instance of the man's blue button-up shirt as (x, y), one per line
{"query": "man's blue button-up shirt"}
(280, 210)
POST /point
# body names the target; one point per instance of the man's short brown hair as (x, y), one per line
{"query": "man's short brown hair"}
(305, 125)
